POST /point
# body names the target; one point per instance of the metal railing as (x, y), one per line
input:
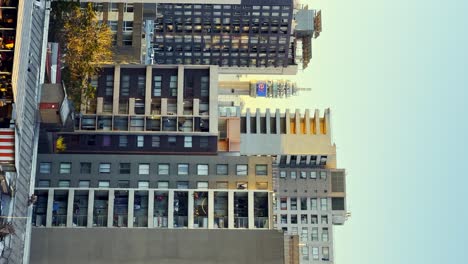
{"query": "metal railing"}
(200, 222)
(180, 221)
(120, 220)
(140, 221)
(59, 220)
(100, 220)
(160, 221)
(261, 222)
(241, 222)
(39, 220)
(221, 222)
(80, 220)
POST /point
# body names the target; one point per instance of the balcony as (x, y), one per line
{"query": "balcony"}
(241, 214)
(220, 209)
(100, 209)
(180, 209)
(160, 213)
(140, 209)
(120, 217)
(200, 209)
(40, 209)
(80, 208)
(261, 206)
(59, 210)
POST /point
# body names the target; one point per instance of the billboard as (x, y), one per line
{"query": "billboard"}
(262, 88)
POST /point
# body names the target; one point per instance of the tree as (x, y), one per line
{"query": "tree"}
(88, 46)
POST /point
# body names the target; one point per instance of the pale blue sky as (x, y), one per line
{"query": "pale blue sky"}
(394, 74)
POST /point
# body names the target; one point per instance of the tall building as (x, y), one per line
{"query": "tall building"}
(247, 37)
(23, 28)
(169, 147)
(143, 120)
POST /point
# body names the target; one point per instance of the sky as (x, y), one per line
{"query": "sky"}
(394, 74)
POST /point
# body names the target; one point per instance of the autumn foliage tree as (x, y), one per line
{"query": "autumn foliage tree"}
(87, 46)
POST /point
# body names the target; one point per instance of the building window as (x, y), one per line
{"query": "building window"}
(43, 184)
(157, 84)
(222, 169)
(284, 203)
(313, 204)
(173, 85)
(261, 170)
(202, 169)
(187, 141)
(163, 169)
(303, 219)
(143, 168)
(125, 85)
(323, 175)
(323, 204)
(204, 86)
(282, 174)
(109, 89)
(127, 38)
(293, 175)
(314, 234)
(104, 168)
(83, 184)
(123, 184)
(284, 219)
(315, 253)
(304, 234)
(203, 142)
(44, 167)
(172, 141)
(141, 86)
(85, 167)
(155, 141)
(313, 175)
(303, 203)
(103, 184)
(163, 185)
(127, 26)
(314, 219)
(242, 185)
(182, 169)
(182, 185)
(293, 219)
(325, 234)
(324, 219)
(123, 141)
(305, 253)
(143, 184)
(140, 141)
(262, 185)
(221, 185)
(64, 184)
(293, 203)
(113, 7)
(124, 168)
(202, 185)
(128, 8)
(241, 169)
(65, 167)
(325, 254)
(303, 175)
(106, 141)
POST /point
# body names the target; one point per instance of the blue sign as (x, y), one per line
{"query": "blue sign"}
(262, 88)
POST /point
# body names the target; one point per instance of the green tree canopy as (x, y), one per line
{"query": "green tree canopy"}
(87, 46)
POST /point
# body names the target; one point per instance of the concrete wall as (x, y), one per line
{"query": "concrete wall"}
(112, 245)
